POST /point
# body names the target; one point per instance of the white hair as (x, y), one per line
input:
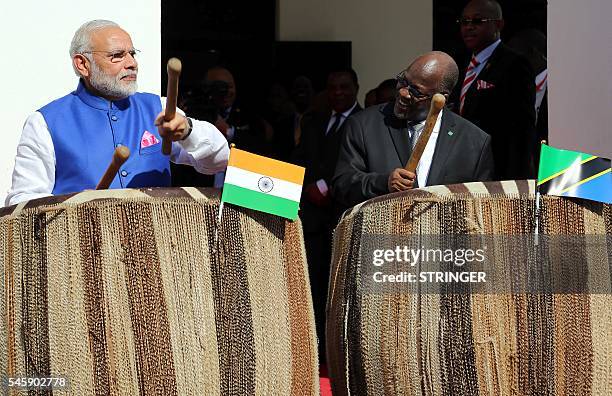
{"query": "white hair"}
(81, 41)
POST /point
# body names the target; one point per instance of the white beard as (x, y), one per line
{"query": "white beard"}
(109, 86)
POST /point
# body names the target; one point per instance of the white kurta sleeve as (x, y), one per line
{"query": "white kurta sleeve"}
(34, 171)
(205, 149)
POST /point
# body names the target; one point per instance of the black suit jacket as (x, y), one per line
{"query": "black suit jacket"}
(506, 112)
(249, 131)
(375, 142)
(318, 153)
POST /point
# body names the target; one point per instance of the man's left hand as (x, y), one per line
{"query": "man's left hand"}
(315, 196)
(175, 129)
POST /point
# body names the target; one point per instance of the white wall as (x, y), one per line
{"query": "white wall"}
(386, 35)
(36, 67)
(580, 75)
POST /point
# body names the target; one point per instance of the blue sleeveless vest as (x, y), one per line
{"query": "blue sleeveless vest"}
(85, 130)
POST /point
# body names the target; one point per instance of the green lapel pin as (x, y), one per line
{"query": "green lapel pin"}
(450, 133)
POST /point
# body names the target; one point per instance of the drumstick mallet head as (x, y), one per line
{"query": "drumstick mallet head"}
(173, 68)
(437, 104)
(121, 154)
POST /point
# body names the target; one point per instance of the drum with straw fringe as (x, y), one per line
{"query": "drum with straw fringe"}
(504, 340)
(128, 292)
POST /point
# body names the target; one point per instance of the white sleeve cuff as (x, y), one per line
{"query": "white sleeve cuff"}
(205, 149)
(322, 186)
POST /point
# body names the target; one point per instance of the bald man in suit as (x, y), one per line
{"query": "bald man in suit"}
(377, 142)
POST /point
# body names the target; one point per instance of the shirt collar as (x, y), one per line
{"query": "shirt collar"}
(436, 128)
(227, 112)
(346, 113)
(485, 54)
(98, 102)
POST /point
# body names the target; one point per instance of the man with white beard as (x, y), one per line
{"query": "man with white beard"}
(67, 145)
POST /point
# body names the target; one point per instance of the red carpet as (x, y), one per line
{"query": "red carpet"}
(324, 381)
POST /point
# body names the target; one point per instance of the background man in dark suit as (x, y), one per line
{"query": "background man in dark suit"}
(531, 43)
(249, 131)
(498, 92)
(318, 152)
(377, 142)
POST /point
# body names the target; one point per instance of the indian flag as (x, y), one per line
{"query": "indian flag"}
(263, 184)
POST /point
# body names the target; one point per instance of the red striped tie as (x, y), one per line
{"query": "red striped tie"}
(470, 75)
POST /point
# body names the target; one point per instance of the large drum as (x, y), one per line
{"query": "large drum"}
(128, 292)
(504, 339)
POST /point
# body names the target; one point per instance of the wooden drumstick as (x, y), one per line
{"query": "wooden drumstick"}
(437, 103)
(121, 154)
(174, 70)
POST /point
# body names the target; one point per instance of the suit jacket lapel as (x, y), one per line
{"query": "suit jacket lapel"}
(444, 144)
(326, 121)
(491, 63)
(398, 132)
(471, 99)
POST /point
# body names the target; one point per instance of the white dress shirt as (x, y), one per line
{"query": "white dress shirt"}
(422, 170)
(482, 57)
(344, 117)
(205, 149)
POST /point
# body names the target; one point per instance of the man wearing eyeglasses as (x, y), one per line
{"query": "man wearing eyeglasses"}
(497, 91)
(377, 142)
(66, 145)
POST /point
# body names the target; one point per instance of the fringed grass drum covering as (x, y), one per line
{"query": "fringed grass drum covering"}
(495, 343)
(126, 293)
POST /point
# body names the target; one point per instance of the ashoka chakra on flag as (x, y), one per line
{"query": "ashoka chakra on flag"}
(265, 184)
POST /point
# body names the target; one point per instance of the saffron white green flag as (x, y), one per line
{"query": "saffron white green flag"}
(263, 184)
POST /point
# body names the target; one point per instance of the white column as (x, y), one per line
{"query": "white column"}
(580, 75)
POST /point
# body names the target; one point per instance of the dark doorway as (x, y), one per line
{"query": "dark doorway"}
(240, 36)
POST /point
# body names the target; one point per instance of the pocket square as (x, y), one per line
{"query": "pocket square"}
(482, 84)
(148, 139)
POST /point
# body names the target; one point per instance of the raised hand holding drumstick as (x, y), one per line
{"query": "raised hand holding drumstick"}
(172, 126)
(403, 179)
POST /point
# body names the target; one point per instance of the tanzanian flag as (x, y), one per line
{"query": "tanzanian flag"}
(572, 174)
(263, 184)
